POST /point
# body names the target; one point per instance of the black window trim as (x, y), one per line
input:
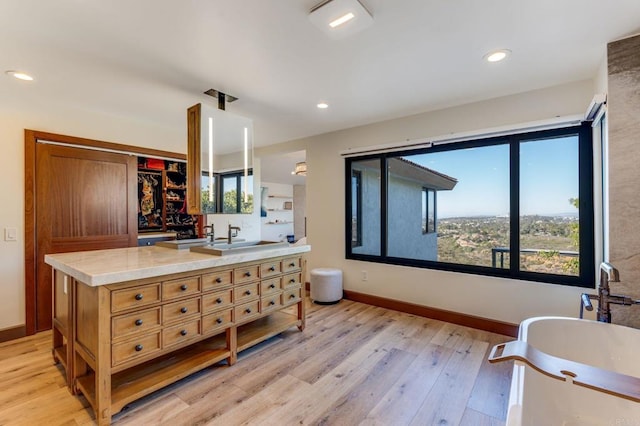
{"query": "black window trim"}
(357, 174)
(586, 277)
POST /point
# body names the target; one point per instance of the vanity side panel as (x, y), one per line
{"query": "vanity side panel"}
(86, 318)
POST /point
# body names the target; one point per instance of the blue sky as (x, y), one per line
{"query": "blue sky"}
(548, 178)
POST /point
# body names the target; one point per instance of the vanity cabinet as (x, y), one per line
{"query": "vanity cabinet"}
(119, 342)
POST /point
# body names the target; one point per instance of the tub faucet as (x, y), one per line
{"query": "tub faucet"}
(231, 233)
(608, 274)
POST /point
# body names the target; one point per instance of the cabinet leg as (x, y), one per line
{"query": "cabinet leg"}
(232, 345)
(301, 314)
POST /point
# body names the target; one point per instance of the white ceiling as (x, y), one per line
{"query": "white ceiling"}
(153, 58)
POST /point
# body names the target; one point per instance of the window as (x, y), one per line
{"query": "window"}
(428, 211)
(365, 208)
(227, 192)
(518, 206)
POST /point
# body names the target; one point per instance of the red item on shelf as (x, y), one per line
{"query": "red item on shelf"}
(155, 163)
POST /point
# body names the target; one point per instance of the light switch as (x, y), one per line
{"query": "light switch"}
(10, 234)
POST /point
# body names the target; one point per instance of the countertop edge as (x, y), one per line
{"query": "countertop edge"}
(189, 262)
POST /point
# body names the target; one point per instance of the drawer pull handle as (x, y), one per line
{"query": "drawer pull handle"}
(183, 332)
(291, 281)
(183, 310)
(183, 287)
(272, 303)
(293, 296)
(138, 322)
(273, 268)
(138, 348)
(218, 280)
(139, 296)
(291, 265)
(248, 310)
(247, 274)
(218, 300)
(247, 293)
(272, 286)
(219, 320)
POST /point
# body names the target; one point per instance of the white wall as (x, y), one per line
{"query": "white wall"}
(500, 299)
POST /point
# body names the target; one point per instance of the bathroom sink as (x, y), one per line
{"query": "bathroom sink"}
(238, 247)
(184, 244)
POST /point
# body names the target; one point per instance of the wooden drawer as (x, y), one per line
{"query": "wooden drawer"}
(180, 310)
(127, 351)
(291, 264)
(291, 280)
(270, 269)
(217, 321)
(270, 286)
(135, 297)
(217, 280)
(176, 289)
(246, 312)
(216, 301)
(245, 293)
(292, 295)
(246, 274)
(138, 322)
(271, 302)
(180, 333)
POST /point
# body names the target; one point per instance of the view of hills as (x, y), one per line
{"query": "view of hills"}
(545, 241)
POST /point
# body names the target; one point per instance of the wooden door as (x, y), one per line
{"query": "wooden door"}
(84, 200)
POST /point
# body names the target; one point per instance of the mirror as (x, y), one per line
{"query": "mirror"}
(219, 161)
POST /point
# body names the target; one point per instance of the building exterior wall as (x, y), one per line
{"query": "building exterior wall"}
(405, 237)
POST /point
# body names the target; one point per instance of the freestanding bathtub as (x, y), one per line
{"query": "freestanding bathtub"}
(539, 400)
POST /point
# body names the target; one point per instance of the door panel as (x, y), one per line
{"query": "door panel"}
(85, 200)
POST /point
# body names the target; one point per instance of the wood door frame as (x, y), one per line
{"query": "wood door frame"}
(30, 246)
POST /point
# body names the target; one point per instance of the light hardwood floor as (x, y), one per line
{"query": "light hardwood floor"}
(354, 364)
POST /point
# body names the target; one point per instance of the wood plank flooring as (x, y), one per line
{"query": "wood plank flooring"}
(354, 364)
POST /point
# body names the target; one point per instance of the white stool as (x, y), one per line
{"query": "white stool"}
(326, 285)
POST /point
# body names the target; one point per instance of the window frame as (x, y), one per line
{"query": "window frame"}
(357, 174)
(586, 275)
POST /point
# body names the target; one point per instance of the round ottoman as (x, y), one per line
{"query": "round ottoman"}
(326, 285)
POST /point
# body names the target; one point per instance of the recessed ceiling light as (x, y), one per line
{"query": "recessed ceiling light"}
(323, 105)
(497, 55)
(19, 75)
(340, 18)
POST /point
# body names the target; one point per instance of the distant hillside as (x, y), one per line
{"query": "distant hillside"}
(470, 240)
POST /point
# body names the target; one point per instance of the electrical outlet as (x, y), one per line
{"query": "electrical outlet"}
(365, 276)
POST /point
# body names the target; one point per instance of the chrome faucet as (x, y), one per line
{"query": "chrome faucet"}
(211, 234)
(608, 274)
(231, 233)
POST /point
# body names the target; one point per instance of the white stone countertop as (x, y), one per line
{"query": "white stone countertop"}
(100, 267)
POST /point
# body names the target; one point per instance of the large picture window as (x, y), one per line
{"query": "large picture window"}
(517, 206)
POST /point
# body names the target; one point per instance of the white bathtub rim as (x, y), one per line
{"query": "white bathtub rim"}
(516, 395)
